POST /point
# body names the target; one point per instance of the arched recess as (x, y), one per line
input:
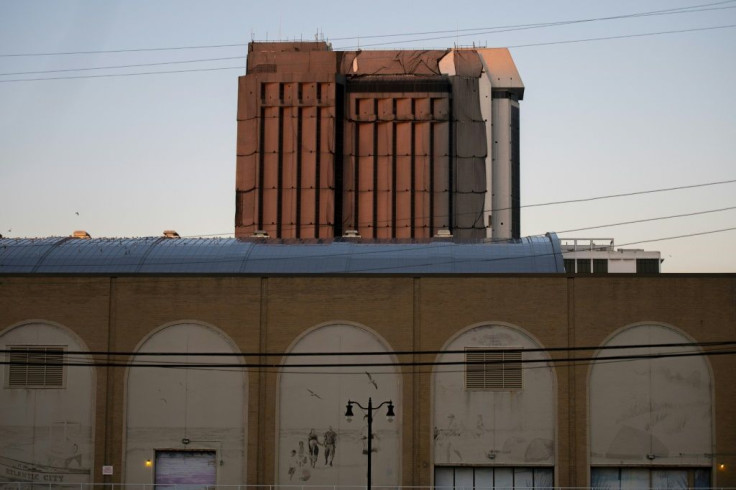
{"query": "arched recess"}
(650, 415)
(46, 407)
(312, 404)
(186, 417)
(494, 419)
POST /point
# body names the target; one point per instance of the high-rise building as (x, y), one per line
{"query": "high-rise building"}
(381, 144)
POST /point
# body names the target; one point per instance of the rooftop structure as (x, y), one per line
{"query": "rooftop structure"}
(168, 254)
(392, 144)
(600, 256)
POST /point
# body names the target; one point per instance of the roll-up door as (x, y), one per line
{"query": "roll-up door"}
(186, 468)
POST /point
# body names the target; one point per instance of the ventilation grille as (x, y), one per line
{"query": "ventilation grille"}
(492, 369)
(36, 367)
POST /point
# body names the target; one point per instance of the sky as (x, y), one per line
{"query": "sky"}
(621, 97)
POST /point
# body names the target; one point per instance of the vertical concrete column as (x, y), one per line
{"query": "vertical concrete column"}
(501, 190)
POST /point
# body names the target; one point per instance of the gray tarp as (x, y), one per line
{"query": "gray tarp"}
(470, 149)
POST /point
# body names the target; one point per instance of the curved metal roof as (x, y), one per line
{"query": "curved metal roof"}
(159, 255)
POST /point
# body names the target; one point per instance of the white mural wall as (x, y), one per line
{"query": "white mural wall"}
(484, 427)
(46, 433)
(186, 409)
(316, 444)
(652, 411)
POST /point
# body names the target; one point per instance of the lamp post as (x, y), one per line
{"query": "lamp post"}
(369, 410)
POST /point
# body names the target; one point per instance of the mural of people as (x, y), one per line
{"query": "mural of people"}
(292, 464)
(313, 442)
(301, 455)
(330, 440)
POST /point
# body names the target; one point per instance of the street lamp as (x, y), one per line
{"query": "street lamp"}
(369, 410)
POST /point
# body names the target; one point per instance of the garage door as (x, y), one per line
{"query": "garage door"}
(196, 469)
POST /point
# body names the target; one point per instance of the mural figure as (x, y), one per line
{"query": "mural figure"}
(313, 442)
(480, 427)
(292, 464)
(301, 456)
(330, 439)
(445, 438)
(364, 438)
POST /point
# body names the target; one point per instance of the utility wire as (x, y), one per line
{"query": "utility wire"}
(625, 36)
(549, 43)
(625, 194)
(261, 365)
(131, 50)
(660, 218)
(31, 350)
(507, 28)
(710, 232)
(452, 32)
(558, 232)
(110, 75)
(526, 45)
(569, 201)
(122, 66)
(533, 364)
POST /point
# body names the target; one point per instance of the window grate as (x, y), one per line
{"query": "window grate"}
(36, 367)
(492, 369)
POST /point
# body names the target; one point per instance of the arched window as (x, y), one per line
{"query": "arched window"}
(46, 406)
(651, 413)
(186, 422)
(317, 445)
(494, 412)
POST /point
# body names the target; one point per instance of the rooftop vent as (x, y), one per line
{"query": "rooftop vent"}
(81, 234)
(351, 234)
(171, 234)
(260, 234)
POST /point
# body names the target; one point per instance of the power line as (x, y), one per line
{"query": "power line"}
(451, 32)
(625, 36)
(122, 66)
(677, 236)
(588, 199)
(130, 50)
(548, 43)
(123, 74)
(533, 27)
(261, 365)
(625, 194)
(477, 31)
(572, 201)
(507, 28)
(645, 220)
(413, 352)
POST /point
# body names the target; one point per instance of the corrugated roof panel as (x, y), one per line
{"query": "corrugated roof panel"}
(23, 254)
(156, 255)
(196, 255)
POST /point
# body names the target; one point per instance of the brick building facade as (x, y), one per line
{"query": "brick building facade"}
(570, 423)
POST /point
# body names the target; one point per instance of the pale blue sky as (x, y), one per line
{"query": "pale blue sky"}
(135, 155)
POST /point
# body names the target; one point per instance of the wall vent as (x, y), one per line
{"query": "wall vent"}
(36, 367)
(496, 369)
